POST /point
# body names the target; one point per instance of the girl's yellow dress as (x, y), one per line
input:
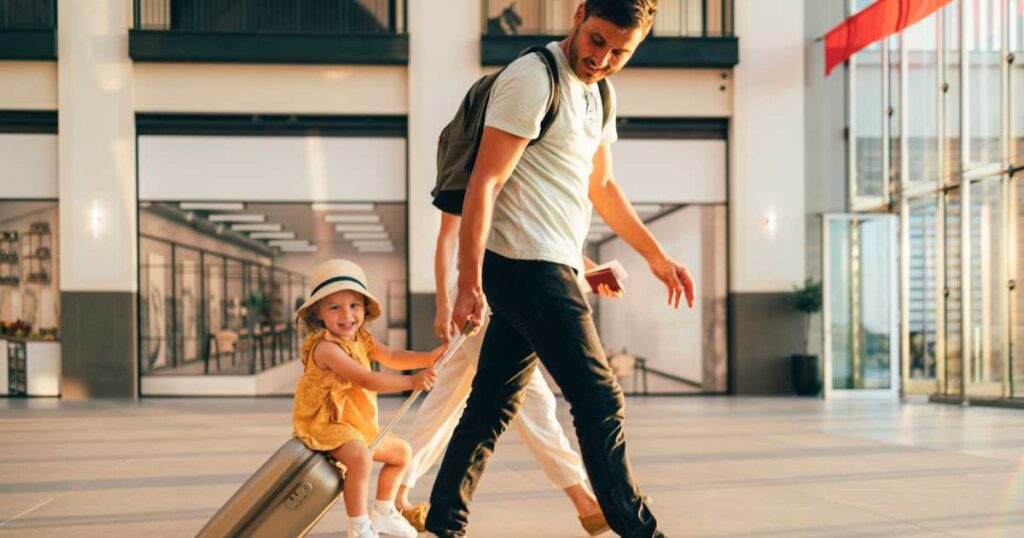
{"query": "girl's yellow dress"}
(329, 410)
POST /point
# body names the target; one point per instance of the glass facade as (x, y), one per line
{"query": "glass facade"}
(937, 116)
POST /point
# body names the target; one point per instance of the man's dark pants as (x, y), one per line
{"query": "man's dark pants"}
(538, 307)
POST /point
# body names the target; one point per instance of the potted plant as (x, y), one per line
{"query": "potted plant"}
(805, 369)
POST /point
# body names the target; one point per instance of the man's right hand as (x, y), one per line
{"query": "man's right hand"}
(470, 305)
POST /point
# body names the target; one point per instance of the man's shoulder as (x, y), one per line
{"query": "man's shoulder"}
(526, 66)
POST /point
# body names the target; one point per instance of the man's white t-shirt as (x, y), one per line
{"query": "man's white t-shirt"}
(543, 212)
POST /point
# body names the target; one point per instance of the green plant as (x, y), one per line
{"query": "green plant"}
(807, 300)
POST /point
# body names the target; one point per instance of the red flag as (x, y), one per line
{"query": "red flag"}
(877, 21)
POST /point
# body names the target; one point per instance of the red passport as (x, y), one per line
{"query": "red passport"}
(611, 273)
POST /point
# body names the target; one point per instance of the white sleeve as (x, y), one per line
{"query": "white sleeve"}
(519, 98)
(610, 134)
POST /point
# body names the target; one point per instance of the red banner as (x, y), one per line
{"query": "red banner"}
(877, 21)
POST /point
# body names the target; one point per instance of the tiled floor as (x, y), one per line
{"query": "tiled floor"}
(714, 466)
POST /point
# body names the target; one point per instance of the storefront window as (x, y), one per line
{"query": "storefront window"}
(987, 244)
(923, 225)
(953, 297)
(29, 290)
(951, 94)
(922, 101)
(982, 39)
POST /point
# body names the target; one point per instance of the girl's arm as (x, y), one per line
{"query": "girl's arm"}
(397, 359)
(333, 358)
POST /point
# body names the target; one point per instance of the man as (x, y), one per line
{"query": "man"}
(525, 219)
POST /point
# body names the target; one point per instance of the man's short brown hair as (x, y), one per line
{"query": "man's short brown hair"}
(623, 13)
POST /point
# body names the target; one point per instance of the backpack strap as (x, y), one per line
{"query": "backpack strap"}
(553, 99)
(606, 101)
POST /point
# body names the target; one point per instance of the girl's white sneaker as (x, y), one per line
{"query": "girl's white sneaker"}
(364, 530)
(392, 524)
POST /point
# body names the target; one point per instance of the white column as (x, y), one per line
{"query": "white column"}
(96, 147)
(767, 148)
(444, 60)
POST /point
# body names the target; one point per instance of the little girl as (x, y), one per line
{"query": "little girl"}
(336, 401)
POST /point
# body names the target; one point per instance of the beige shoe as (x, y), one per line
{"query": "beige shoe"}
(594, 524)
(417, 516)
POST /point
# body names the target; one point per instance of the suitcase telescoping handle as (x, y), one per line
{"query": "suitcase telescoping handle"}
(445, 357)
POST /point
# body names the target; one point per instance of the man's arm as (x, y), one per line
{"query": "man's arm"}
(615, 209)
(497, 158)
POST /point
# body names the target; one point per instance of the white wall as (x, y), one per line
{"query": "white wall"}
(270, 168)
(444, 59)
(671, 171)
(96, 147)
(674, 93)
(28, 85)
(29, 169)
(767, 147)
(271, 89)
(641, 322)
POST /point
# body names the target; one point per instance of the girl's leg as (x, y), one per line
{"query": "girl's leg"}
(358, 464)
(395, 454)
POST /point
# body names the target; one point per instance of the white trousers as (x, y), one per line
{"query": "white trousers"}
(536, 424)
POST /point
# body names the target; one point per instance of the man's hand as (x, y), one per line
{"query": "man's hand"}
(470, 305)
(676, 278)
(443, 326)
(604, 291)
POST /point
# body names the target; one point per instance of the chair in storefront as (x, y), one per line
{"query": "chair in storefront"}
(224, 342)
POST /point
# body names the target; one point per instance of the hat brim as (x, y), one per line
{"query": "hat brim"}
(372, 304)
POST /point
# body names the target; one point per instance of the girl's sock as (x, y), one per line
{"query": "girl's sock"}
(358, 522)
(384, 507)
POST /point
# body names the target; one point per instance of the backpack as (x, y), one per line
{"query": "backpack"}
(460, 139)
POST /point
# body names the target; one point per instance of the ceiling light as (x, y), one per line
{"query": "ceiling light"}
(376, 249)
(272, 235)
(359, 228)
(212, 206)
(287, 242)
(352, 218)
(361, 244)
(319, 206)
(237, 218)
(366, 235)
(646, 208)
(256, 227)
(300, 248)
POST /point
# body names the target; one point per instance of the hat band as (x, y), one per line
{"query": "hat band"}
(330, 281)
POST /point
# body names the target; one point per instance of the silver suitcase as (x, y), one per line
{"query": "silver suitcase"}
(291, 491)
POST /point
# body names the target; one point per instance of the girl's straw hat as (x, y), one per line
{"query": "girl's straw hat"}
(333, 276)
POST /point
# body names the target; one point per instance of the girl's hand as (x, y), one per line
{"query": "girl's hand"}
(424, 379)
(435, 354)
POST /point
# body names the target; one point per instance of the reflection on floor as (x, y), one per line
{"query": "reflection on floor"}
(714, 467)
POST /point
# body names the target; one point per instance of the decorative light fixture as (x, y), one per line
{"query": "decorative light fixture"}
(300, 248)
(366, 235)
(359, 228)
(371, 244)
(320, 206)
(212, 206)
(237, 218)
(256, 227)
(272, 235)
(372, 217)
(287, 242)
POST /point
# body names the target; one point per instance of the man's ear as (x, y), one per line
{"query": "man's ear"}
(577, 17)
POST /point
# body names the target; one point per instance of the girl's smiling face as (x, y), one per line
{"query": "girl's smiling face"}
(343, 313)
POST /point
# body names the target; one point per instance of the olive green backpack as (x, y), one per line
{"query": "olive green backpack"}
(460, 140)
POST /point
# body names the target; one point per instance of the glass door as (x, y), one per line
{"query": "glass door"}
(861, 330)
